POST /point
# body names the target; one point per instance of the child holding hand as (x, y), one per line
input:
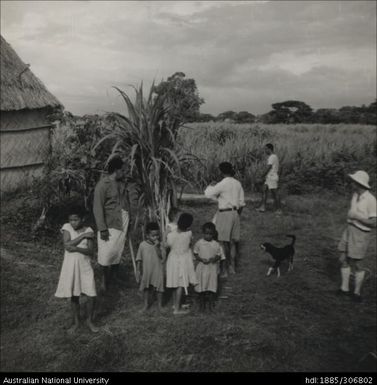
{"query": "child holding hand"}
(150, 265)
(208, 252)
(77, 276)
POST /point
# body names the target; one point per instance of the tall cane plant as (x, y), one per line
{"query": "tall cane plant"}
(156, 161)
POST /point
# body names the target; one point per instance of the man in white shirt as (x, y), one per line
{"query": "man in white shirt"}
(361, 219)
(271, 178)
(231, 200)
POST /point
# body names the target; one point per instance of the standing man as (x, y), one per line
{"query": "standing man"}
(231, 200)
(271, 178)
(111, 211)
(361, 219)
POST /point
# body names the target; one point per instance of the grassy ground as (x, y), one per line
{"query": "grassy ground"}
(294, 323)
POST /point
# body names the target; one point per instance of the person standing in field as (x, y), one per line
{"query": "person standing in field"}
(111, 208)
(361, 219)
(271, 180)
(208, 252)
(180, 271)
(150, 266)
(77, 276)
(231, 200)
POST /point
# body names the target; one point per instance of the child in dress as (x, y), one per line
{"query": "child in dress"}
(208, 252)
(77, 276)
(150, 264)
(180, 270)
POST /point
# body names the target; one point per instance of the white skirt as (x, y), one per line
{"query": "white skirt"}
(110, 252)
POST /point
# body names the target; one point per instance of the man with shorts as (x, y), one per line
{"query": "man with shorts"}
(231, 200)
(271, 179)
(361, 219)
(111, 211)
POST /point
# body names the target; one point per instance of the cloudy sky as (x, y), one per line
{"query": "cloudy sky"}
(244, 55)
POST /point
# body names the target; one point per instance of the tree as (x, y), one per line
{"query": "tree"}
(326, 116)
(227, 115)
(292, 111)
(205, 118)
(245, 117)
(181, 99)
(156, 161)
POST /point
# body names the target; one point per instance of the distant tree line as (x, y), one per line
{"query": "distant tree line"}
(294, 111)
(182, 102)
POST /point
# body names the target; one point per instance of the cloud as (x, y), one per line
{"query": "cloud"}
(240, 53)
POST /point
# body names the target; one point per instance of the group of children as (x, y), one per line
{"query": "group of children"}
(184, 266)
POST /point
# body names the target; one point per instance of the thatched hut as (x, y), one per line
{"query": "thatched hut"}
(25, 125)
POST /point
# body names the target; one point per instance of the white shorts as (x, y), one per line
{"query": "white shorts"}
(110, 252)
(272, 182)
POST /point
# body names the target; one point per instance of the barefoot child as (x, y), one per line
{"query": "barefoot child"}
(77, 276)
(180, 270)
(208, 253)
(150, 264)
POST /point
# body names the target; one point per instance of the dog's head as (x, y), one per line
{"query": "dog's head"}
(265, 246)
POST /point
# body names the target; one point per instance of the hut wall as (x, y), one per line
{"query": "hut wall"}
(24, 146)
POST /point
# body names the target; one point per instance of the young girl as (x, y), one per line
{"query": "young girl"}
(208, 253)
(77, 276)
(180, 267)
(150, 264)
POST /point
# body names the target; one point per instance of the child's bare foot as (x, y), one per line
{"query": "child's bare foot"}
(92, 328)
(73, 329)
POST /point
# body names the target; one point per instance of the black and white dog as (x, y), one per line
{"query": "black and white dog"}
(279, 254)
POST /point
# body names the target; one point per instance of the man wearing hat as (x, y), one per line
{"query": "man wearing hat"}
(231, 200)
(361, 219)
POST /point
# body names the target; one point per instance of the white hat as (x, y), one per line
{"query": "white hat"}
(361, 177)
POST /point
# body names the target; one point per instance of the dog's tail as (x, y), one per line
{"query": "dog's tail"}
(293, 238)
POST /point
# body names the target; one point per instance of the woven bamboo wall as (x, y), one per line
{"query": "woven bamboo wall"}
(24, 145)
(12, 179)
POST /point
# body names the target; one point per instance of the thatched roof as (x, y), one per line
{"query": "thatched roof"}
(20, 88)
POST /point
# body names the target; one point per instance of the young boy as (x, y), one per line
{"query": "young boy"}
(271, 179)
(231, 200)
(355, 239)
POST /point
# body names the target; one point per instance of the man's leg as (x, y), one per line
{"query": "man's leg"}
(276, 198)
(90, 314)
(359, 277)
(225, 265)
(232, 257)
(264, 198)
(75, 308)
(345, 271)
(106, 272)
